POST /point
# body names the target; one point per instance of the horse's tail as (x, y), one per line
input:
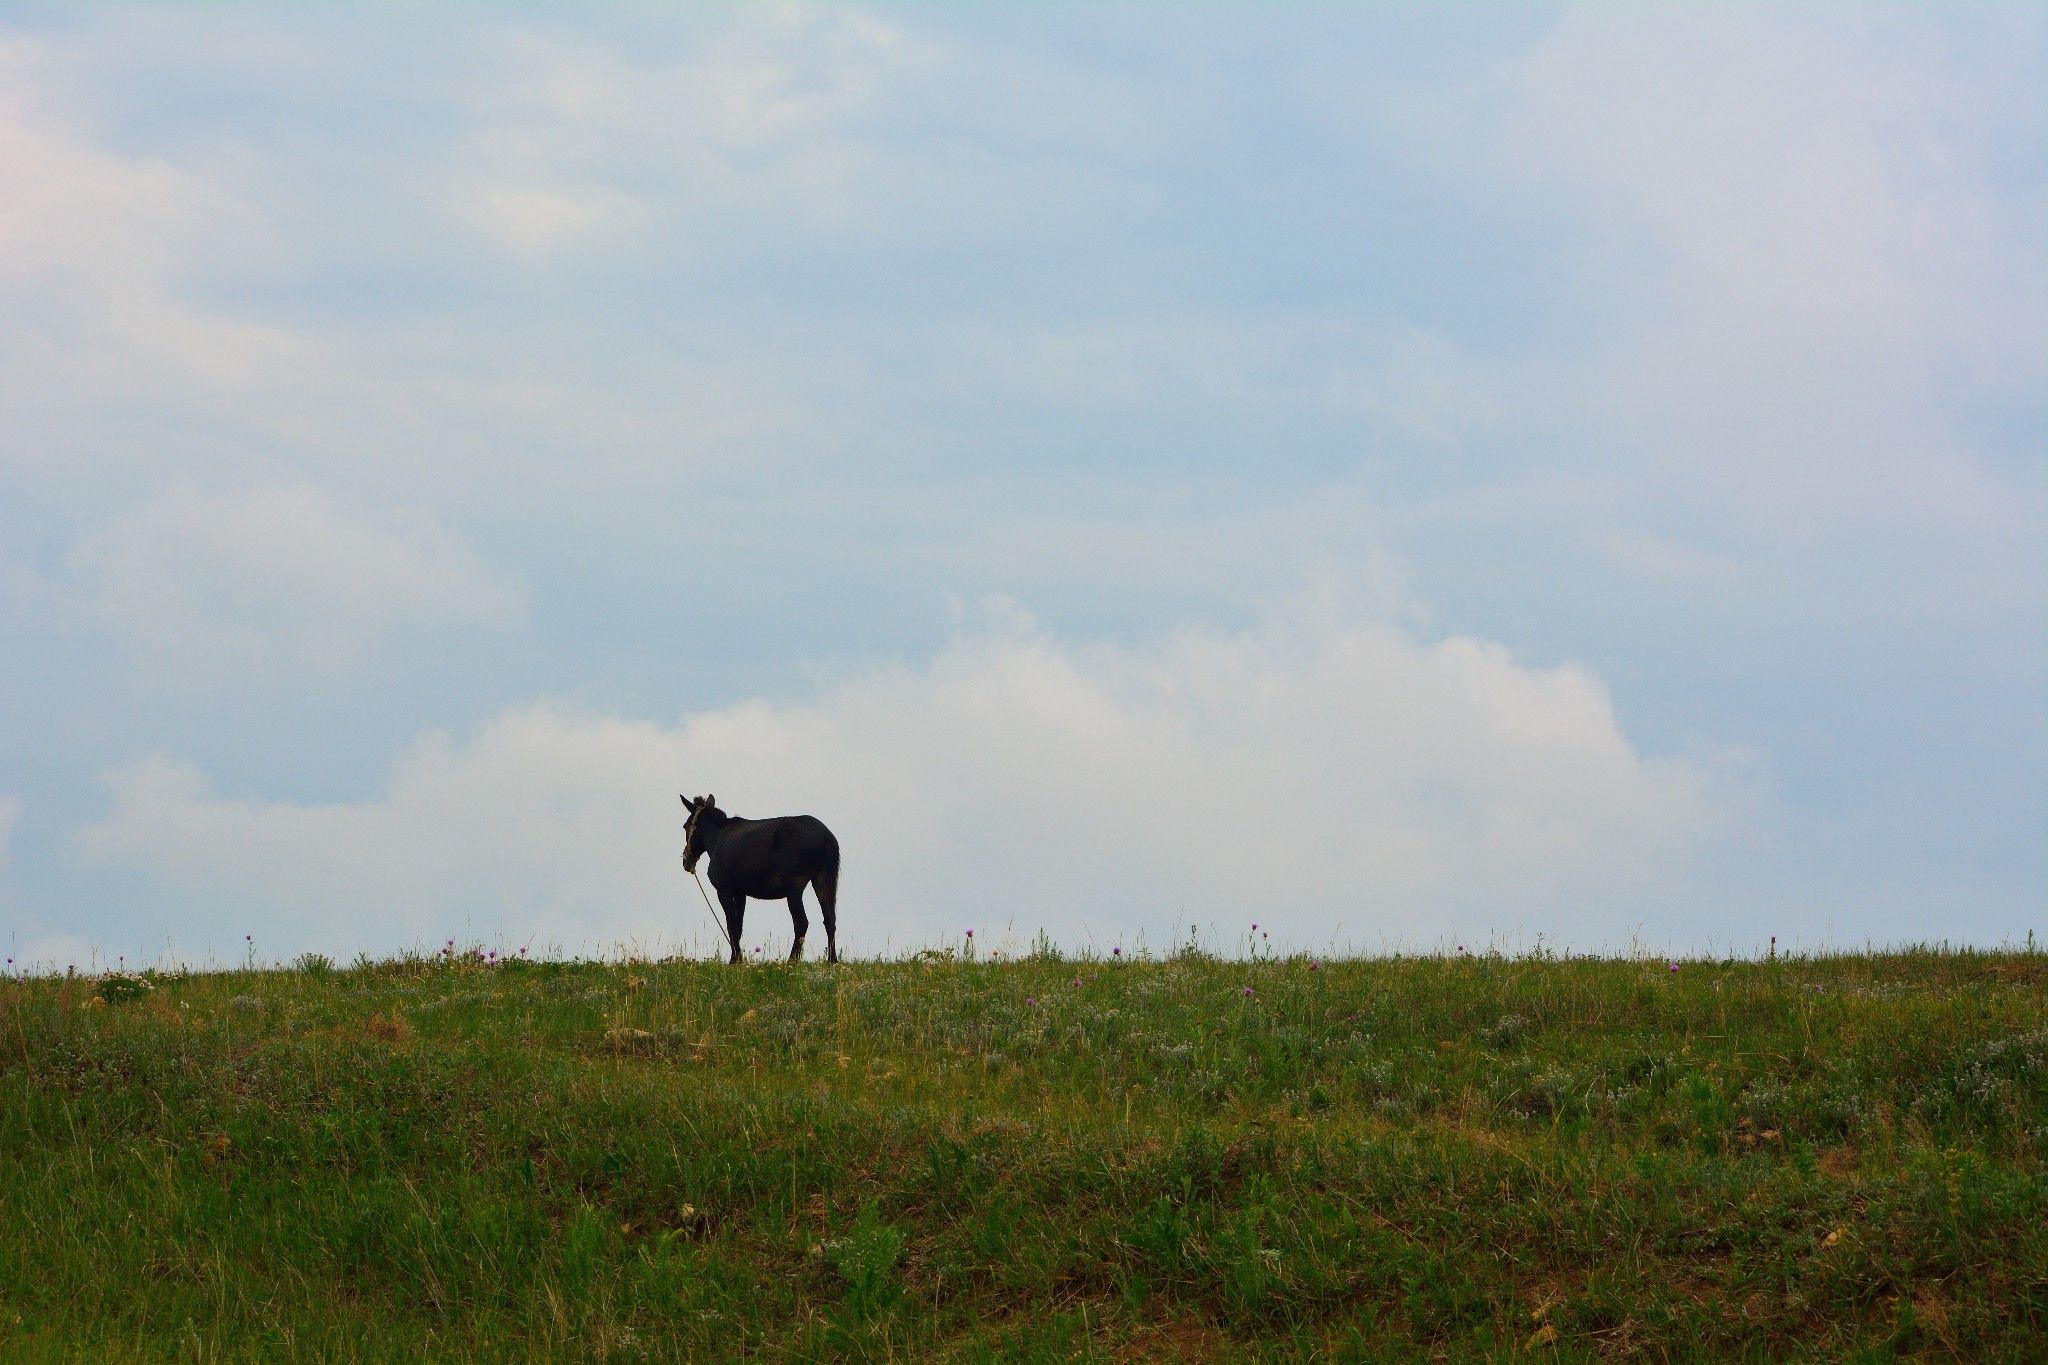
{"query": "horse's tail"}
(826, 885)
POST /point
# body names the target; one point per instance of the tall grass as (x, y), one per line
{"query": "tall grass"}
(1046, 1159)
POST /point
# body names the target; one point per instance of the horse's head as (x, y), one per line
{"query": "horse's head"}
(694, 828)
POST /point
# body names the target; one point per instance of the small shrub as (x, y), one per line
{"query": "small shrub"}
(583, 1243)
(866, 1260)
(1377, 1081)
(1205, 1088)
(119, 987)
(1556, 1093)
(1652, 1072)
(1767, 1106)
(1159, 1235)
(1508, 1031)
(1837, 1112)
(1194, 1169)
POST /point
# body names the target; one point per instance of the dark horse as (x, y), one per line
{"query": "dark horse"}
(768, 860)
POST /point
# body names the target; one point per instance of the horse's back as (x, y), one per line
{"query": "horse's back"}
(800, 833)
(781, 850)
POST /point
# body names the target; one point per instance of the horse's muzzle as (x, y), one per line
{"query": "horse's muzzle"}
(690, 863)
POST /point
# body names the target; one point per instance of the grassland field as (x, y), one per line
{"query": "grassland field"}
(1191, 1157)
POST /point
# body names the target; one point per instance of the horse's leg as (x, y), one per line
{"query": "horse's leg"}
(799, 925)
(735, 916)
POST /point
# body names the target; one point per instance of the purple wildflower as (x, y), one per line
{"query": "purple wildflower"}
(1247, 990)
(1113, 952)
(1031, 1002)
(1674, 966)
(1315, 965)
(970, 933)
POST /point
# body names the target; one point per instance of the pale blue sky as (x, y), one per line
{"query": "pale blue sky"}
(1420, 474)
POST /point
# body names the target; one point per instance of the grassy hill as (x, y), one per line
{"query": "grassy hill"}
(1045, 1159)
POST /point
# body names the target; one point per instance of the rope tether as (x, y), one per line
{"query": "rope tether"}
(714, 914)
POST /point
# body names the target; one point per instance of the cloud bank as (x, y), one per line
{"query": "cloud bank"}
(1333, 777)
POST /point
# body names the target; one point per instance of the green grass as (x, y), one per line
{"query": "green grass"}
(1401, 1158)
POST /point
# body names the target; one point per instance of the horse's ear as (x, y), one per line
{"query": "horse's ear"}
(688, 802)
(710, 801)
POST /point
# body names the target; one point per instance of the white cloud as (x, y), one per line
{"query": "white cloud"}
(1322, 773)
(1801, 222)
(253, 584)
(171, 309)
(98, 250)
